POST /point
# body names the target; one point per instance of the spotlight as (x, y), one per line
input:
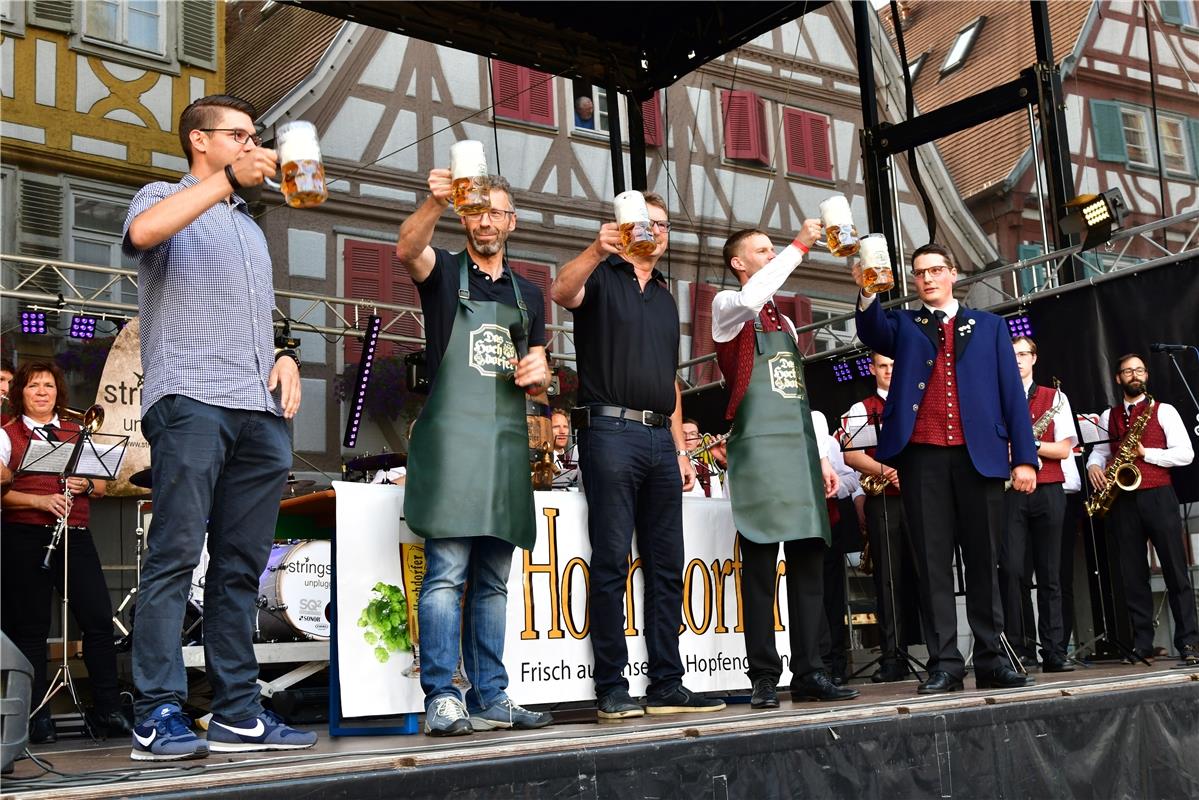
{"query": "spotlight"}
(33, 322)
(357, 401)
(1095, 217)
(842, 372)
(1019, 325)
(862, 366)
(83, 327)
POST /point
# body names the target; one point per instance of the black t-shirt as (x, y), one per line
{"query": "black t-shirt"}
(627, 340)
(439, 301)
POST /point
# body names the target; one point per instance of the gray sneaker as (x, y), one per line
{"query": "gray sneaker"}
(506, 714)
(617, 704)
(446, 716)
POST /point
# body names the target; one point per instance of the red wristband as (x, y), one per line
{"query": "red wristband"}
(803, 248)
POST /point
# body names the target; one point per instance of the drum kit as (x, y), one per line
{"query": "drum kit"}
(294, 591)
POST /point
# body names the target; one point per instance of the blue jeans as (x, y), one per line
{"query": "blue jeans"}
(220, 470)
(631, 477)
(479, 565)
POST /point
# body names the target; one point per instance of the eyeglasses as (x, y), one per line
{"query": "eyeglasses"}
(660, 224)
(929, 272)
(691, 436)
(238, 135)
(493, 214)
(1132, 372)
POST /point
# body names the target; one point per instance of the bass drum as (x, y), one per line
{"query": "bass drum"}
(294, 593)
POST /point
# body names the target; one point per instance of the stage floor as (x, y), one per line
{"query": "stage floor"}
(528, 764)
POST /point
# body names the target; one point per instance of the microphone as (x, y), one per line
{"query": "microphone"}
(1162, 347)
(520, 340)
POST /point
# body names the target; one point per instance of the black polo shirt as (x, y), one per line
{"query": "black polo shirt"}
(627, 340)
(439, 301)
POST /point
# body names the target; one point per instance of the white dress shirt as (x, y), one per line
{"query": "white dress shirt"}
(36, 427)
(1178, 451)
(732, 308)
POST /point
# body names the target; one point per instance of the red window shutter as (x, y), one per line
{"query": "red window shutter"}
(744, 126)
(807, 142)
(540, 275)
(540, 106)
(507, 89)
(372, 272)
(821, 158)
(795, 134)
(651, 118)
(701, 333)
(404, 293)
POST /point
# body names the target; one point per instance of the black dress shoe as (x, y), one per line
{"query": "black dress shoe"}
(108, 724)
(1189, 656)
(1002, 677)
(890, 672)
(940, 682)
(41, 729)
(765, 695)
(1138, 656)
(819, 686)
(1056, 664)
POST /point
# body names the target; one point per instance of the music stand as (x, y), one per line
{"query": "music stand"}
(74, 455)
(860, 432)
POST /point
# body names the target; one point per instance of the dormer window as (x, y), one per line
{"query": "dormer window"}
(914, 66)
(961, 46)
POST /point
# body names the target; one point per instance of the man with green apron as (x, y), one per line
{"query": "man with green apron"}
(778, 476)
(468, 493)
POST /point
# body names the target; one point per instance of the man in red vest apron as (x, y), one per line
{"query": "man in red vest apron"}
(777, 477)
(1151, 511)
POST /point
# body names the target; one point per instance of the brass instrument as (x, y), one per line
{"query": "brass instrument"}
(1042, 424)
(1122, 472)
(543, 469)
(873, 484)
(91, 419)
(710, 441)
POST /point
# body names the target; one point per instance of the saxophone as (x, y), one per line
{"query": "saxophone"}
(873, 484)
(1122, 472)
(1042, 424)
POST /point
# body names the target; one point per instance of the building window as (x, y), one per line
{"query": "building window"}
(1179, 12)
(136, 24)
(521, 93)
(1135, 124)
(746, 137)
(914, 66)
(1124, 134)
(96, 223)
(807, 141)
(832, 334)
(961, 46)
(1175, 157)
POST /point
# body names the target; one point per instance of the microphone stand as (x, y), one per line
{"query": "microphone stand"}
(1186, 384)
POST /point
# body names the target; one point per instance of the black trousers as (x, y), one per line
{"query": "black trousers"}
(947, 503)
(26, 605)
(1034, 524)
(894, 575)
(805, 609)
(1152, 514)
(1070, 527)
(834, 630)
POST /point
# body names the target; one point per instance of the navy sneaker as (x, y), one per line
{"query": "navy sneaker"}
(263, 732)
(166, 735)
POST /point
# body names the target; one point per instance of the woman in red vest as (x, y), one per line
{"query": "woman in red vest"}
(33, 504)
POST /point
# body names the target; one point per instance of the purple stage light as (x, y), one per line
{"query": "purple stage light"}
(33, 322)
(369, 343)
(842, 372)
(83, 327)
(1019, 325)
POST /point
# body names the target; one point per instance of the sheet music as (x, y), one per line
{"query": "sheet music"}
(47, 457)
(1090, 429)
(857, 432)
(100, 460)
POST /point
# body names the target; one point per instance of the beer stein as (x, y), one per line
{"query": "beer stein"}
(636, 231)
(299, 151)
(839, 230)
(876, 264)
(468, 170)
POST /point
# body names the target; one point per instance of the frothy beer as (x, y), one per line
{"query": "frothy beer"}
(839, 229)
(636, 231)
(469, 191)
(303, 183)
(876, 264)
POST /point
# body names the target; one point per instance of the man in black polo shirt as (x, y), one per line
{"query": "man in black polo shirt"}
(471, 520)
(633, 459)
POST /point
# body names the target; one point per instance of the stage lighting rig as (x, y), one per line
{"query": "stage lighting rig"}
(83, 327)
(33, 322)
(1018, 324)
(1095, 217)
(370, 343)
(842, 371)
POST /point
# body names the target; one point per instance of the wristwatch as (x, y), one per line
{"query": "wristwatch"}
(680, 453)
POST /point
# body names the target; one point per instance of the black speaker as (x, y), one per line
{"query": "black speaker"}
(16, 689)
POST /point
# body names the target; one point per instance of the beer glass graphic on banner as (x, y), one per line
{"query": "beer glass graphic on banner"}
(632, 216)
(876, 264)
(303, 183)
(838, 224)
(468, 169)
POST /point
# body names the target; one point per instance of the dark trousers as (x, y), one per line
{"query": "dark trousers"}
(947, 503)
(222, 471)
(1034, 524)
(834, 634)
(26, 605)
(1070, 528)
(631, 478)
(894, 575)
(805, 609)
(1152, 514)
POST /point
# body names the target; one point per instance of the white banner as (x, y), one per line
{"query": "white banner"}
(547, 651)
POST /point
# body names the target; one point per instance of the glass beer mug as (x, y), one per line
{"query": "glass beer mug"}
(838, 226)
(876, 264)
(636, 231)
(468, 171)
(299, 151)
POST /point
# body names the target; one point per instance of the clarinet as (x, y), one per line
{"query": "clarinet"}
(60, 529)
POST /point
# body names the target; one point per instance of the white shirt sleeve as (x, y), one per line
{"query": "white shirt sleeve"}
(1063, 422)
(820, 426)
(859, 433)
(732, 308)
(5, 446)
(1178, 451)
(864, 300)
(1102, 451)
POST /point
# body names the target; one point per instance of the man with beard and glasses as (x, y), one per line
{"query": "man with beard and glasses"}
(1150, 512)
(471, 520)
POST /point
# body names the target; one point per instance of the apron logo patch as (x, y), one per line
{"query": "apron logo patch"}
(784, 376)
(490, 349)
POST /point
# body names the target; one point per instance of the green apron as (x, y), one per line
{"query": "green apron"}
(468, 461)
(774, 465)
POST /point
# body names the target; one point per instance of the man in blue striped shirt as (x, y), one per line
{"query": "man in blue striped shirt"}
(220, 448)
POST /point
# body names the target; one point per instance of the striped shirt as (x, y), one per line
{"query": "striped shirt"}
(206, 297)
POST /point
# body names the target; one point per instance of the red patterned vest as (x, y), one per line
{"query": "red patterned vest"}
(736, 356)
(31, 483)
(1152, 476)
(874, 416)
(1051, 468)
(938, 420)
